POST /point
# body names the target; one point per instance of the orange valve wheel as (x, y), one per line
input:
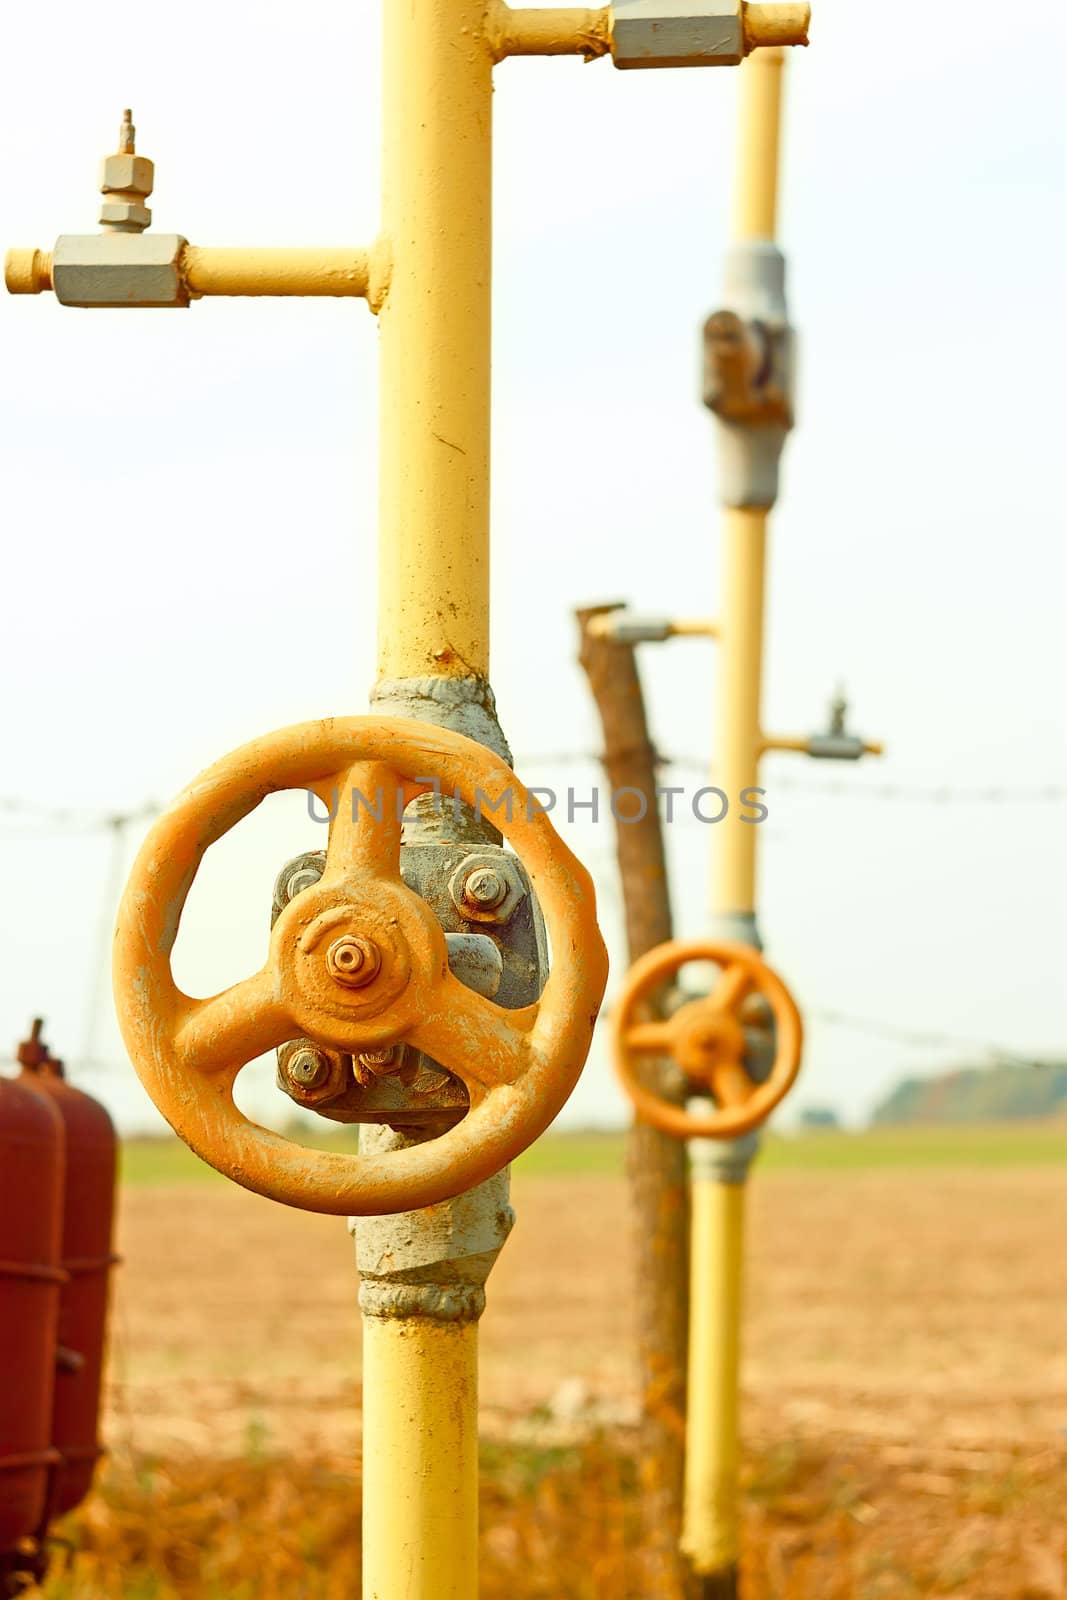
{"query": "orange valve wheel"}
(357, 962)
(706, 1038)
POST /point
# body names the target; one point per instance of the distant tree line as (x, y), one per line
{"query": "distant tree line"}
(979, 1094)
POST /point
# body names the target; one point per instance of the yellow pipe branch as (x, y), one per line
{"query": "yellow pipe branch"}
(710, 1531)
(559, 31)
(801, 744)
(28, 271)
(777, 24)
(694, 628)
(206, 270)
(340, 272)
(420, 1446)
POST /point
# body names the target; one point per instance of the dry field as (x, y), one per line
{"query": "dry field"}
(905, 1380)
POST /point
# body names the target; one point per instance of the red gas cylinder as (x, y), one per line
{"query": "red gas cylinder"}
(31, 1222)
(88, 1213)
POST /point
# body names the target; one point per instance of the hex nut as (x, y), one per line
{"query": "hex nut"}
(308, 1074)
(301, 873)
(308, 1068)
(677, 33)
(124, 214)
(119, 269)
(127, 174)
(505, 870)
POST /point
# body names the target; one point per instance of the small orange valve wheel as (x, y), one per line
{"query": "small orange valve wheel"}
(706, 1038)
(357, 962)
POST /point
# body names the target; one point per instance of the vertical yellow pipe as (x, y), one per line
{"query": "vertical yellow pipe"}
(744, 528)
(433, 575)
(758, 143)
(420, 1449)
(711, 1536)
(420, 1417)
(711, 1528)
(740, 674)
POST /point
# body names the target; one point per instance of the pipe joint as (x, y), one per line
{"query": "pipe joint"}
(701, 33)
(749, 374)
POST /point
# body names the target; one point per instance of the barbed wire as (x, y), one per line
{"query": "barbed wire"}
(59, 819)
(43, 821)
(920, 1039)
(932, 793)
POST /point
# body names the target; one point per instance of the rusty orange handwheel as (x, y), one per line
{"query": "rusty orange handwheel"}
(357, 962)
(706, 1038)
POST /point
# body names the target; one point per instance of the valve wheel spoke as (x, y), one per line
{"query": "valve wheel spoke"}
(480, 1042)
(368, 804)
(220, 1035)
(732, 987)
(650, 1038)
(730, 1084)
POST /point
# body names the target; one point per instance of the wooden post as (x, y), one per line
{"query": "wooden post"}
(656, 1162)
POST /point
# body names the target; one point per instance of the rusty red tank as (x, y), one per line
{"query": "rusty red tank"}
(88, 1214)
(31, 1224)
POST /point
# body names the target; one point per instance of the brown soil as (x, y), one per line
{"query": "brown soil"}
(905, 1376)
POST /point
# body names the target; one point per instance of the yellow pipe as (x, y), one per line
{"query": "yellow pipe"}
(801, 744)
(694, 628)
(758, 139)
(258, 271)
(744, 530)
(710, 1530)
(559, 31)
(420, 1443)
(420, 1449)
(711, 1522)
(433, 561)
(776, 24)
(28, 271)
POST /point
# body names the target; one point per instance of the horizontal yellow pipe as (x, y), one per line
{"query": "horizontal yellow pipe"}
(420, 1449)
(775, 24)
(801, 744)
(560, 31)
(341, 272)
(344, 273)
(694, 628)
(27, 271)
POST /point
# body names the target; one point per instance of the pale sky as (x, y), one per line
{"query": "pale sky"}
(190, 497)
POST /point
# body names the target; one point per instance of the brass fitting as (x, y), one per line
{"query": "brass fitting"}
(126, 181)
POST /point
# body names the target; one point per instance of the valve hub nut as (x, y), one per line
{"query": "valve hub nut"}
(353, 962)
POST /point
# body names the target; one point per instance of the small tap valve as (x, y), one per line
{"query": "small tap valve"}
(837, 742)
(126, 181)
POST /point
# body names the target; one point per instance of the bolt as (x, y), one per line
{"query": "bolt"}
(307, 1068)
(302, 879)
(377, 1060)
(485, 889)
(353, 962)
(127, 134)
